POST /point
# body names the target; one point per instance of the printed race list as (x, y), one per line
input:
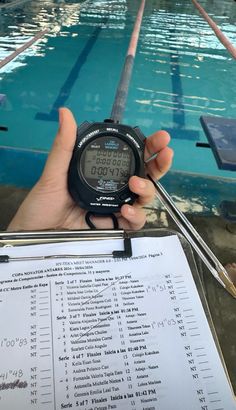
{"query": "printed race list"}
(102, 334)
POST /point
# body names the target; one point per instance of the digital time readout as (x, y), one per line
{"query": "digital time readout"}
(108, 164)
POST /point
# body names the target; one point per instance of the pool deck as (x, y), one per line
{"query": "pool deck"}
(214, 231)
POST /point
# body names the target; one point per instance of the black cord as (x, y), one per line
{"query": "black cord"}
(91, 224)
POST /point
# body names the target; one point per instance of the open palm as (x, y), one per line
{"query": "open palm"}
(49, 204)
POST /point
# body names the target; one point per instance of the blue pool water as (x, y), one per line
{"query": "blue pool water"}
(181, 72)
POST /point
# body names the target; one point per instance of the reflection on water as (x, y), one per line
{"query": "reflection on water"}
(168, 25)
(181, 70)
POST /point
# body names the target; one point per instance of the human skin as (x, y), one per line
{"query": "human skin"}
(49, 204)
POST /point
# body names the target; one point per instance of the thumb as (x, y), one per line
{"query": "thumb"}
(59, 158)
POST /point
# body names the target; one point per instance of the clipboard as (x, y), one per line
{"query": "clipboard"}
(11, 239)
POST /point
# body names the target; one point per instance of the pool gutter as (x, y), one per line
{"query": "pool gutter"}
(21, 168)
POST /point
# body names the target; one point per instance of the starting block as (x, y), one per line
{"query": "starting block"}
(221, 135)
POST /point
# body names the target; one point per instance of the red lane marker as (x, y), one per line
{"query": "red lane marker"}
(22, 48)
(223, 39)
(135, 35)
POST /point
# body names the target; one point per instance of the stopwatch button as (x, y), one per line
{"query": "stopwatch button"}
(139, 133)
(125, 198)
(82, 127)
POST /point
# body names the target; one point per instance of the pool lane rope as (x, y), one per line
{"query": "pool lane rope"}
(27, 44)
(122, 89)
(223, 39)
(20, 50)
(12, 4)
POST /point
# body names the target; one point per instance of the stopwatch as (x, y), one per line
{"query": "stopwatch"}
(105, 156)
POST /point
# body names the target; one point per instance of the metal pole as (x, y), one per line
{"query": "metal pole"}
(194, 238)
(122, 90)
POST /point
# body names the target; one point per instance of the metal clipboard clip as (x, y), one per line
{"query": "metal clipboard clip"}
(9, 239)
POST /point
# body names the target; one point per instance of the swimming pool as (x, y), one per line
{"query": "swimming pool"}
(181, 71)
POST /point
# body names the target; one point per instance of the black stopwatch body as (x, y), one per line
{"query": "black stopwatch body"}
(105, 156)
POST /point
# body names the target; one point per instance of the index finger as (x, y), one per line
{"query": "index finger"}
(155, 143)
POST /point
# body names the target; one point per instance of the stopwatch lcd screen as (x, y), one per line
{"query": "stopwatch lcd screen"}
(107, 163)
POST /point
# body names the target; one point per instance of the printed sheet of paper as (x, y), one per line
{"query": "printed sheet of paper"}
(106, 334)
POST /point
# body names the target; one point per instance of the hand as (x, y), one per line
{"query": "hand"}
(49, 204)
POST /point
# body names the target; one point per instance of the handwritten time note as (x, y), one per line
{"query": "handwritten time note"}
(107, 334)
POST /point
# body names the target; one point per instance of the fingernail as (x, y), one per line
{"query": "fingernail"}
(60, 113)
(131, 211)
(142, 184)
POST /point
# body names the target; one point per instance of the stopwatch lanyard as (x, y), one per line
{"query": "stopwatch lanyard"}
(121, 95)
(91, 225)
